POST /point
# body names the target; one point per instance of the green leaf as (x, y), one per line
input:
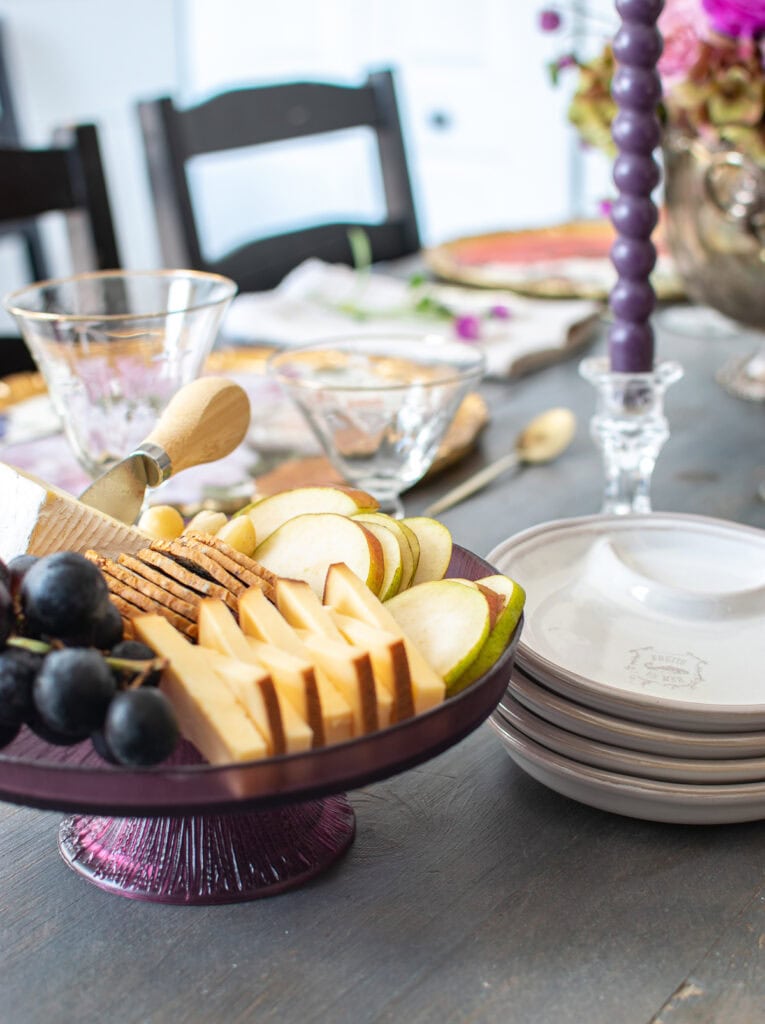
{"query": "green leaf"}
(361, 248)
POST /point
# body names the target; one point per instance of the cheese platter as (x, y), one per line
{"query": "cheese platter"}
(251, 800)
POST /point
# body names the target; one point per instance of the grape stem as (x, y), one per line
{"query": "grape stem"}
(141, 669)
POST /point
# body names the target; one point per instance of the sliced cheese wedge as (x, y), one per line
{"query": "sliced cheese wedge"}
(208, 713)
(346, 593)
(254, 689)
(350, 669)
(259, 619)
(37, 519)
(218, 630)
(390, 663)
(303, 610)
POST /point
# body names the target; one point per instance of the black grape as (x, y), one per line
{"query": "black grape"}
(141, 727)
(107, 628)
(18, 567)
(134, 650)
(18, 670)
(62, 595)
(7, 616)
(73, 691)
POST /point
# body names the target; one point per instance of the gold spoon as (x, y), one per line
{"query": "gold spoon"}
(541, 440)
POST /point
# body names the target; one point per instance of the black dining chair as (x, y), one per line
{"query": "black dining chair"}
(26, 232)
(256, 116)
(66, 177)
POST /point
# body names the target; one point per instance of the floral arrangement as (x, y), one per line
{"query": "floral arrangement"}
(712, 71)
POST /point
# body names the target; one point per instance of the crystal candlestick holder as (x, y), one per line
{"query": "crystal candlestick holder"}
(630, 428)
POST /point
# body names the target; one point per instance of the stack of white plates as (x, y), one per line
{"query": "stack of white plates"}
(639, 684)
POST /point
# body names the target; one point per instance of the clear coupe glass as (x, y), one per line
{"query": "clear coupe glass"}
(379, 405)
(114, 347)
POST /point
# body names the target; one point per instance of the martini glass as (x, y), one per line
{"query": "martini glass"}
(114, 347)
(379, 405)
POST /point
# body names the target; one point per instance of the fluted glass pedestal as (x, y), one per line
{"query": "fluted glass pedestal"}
(630, 428)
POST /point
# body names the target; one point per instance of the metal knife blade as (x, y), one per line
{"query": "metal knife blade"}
(120, 491)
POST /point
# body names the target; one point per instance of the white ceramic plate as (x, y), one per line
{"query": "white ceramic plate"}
(657, 618)
(629, 762)
(620, 732)
(672, 802)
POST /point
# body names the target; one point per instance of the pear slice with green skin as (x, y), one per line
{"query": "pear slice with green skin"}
(303, 548)
(414, 546)
(271, 512)
(435, 542)
(408, 564)
(446, 621)
(514, 597)
(392, 558)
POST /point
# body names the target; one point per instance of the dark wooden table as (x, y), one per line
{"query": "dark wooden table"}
(471, 893)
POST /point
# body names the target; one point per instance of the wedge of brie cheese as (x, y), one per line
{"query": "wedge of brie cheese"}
(37, 518)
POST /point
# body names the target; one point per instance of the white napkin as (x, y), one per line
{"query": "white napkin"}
(317, 300)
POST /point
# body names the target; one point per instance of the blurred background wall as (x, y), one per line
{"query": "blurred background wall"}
(487, 135)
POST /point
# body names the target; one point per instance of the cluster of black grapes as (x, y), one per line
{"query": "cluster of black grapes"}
(65, 670)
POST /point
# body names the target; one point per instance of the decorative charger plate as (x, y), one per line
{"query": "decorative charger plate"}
(658, 617)
(563, 261)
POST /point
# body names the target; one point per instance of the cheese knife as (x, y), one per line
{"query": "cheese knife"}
(205, 420)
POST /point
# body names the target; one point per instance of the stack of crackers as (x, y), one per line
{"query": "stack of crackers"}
(171, 577)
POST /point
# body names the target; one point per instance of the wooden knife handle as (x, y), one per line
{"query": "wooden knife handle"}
(205, 420)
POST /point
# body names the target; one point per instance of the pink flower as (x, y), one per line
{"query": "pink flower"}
(549, 20)
(683, 25)
(736, 17)
(467, 327)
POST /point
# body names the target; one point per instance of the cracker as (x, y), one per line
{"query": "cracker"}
(244, 561)
(245, 575)
(195, 559)
(143, 586)
(133, 602)
(203, 586)
(153, 575)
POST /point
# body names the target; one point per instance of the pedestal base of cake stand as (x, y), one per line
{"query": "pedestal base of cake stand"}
(209, 859)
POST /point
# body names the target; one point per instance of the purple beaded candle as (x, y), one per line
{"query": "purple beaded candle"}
(636, 132)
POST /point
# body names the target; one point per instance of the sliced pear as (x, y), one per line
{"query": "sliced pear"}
(306, 546)
(407, 542)
(414, 547)
(271, 512)
(390, 664)
(208, 713)
(219, 631)
(514, 598)
(258, 618)
(345, 592)
(495, 601)
(435, 542)
(447, 621)
(392, 557)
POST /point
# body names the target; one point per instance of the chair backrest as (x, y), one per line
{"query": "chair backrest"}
(27, 232)
(68, 178)
(268, 114)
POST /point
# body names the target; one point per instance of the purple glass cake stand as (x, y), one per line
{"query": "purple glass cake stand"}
(189, 832)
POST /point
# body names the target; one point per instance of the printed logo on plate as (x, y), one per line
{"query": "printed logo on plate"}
(667, 669)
